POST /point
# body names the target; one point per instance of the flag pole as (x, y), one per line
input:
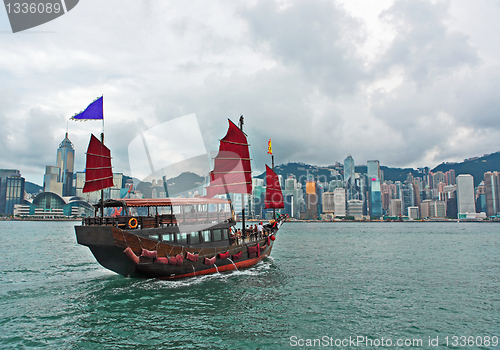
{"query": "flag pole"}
(102, 140)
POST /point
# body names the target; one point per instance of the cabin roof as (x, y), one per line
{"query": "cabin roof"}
(160, 202)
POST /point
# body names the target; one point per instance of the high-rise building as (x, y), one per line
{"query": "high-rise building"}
(492, 192)
(407, 196)
(438, 177)
(450, 177)
(375, 198)
(311, 200)
(339, 199)
(373, 169)
(481, 198)
(66, 164)
(395, 207)
(465, 194)
(413, 213)
(328, 202)
(355, 208)
(375, 195)
(425, 208)
(291, 183)
(11, 190)
(59, 179)
(437, 209)
(349, 178)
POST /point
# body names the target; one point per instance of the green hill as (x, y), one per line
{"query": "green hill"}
(476, 166)
(32, 188)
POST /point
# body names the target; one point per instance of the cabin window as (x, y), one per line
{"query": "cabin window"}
(167, 237)
(194, 238)
(217, 235)
(182, 238)
(206, 236)
(154, 237)
(224, 234)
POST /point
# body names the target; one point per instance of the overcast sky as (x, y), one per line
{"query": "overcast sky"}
(410, 83)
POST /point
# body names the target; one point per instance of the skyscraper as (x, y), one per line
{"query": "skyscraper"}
(59, 178)
(465, 194)
(66, 163)
(349, 180)
(11, 190)
(373, 172)
(491, 189)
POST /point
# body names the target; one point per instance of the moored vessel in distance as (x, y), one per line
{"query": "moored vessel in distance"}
(179, 237)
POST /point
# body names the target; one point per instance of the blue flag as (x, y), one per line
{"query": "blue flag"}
(92, 112)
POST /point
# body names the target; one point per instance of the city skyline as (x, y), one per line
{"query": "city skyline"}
(410, 83)
(255, 173)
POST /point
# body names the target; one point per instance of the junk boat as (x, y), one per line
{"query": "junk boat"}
(180, 237)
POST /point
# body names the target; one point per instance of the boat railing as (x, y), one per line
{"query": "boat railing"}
(152, 221)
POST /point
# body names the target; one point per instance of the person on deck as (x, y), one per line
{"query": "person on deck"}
(259, 229)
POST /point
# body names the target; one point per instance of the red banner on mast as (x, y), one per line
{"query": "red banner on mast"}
(232, 170)
(98, 172)
(274, 196)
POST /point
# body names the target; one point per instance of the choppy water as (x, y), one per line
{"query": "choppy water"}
(329, 282)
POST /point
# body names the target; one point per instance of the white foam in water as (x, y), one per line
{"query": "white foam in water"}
(255, 270)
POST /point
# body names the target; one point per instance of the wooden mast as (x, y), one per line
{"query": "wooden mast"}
(242, 195)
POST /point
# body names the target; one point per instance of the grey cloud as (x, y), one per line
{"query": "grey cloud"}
(423, 46)
(316, 37)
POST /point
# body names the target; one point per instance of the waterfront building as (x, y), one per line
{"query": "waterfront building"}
(293, 201)
(413, 213)
(11, 190)
(339, 200)
(425, 208)
(395, 207)
(52, 205)
(328, 202)
(355, 209)
(465, 194)
(407, 196)
(492, 192)
(437, 209)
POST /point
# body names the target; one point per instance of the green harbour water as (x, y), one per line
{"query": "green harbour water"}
(327, 285)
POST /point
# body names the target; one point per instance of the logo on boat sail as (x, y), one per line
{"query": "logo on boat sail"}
(168, 149)
(171, 148)
(26, 14)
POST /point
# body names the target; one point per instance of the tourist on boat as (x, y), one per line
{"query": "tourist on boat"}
(259, 229)
(238, 235)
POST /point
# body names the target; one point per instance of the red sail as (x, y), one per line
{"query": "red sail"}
(274, 197)
(232, 171)
(98, 173)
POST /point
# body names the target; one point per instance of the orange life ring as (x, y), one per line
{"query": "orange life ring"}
(132, 223)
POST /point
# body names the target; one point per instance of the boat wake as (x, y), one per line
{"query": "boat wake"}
(261, 268)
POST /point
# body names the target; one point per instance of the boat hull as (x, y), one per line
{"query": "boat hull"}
(108, 244)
